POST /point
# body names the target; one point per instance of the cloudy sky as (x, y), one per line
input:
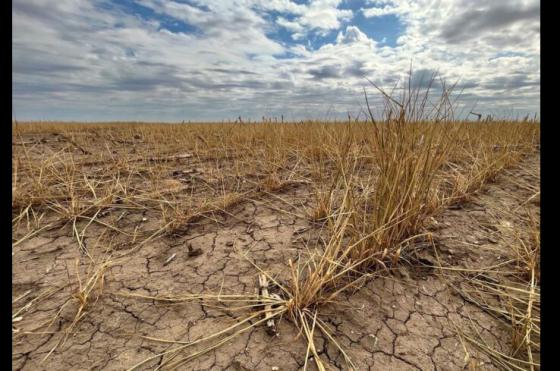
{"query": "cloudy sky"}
(156, 60)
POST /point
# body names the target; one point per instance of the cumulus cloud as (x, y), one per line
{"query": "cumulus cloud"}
(325, 72)
(472, 23)
(320, 16)
(210, 60)
(378, 12)
(352, 35)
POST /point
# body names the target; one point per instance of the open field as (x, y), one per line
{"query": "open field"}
(405, 244)
(287, 185)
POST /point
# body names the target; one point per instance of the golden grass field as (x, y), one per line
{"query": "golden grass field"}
(410, 242)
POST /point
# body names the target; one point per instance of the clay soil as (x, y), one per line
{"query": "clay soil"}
(410, 318)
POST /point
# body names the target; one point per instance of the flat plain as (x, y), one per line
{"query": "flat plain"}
(395, 245)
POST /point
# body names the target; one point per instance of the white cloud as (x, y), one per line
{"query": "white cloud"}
(290, 25)
(352, 35)
(378, 12)
(93, 60)
(321, 16)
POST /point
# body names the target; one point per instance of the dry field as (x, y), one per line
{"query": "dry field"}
(407, 244)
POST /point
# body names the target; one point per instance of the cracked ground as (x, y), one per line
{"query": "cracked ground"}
(405, 319)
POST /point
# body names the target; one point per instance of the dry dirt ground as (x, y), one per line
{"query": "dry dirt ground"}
(407, 319)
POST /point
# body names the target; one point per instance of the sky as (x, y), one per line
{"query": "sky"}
(155, 60)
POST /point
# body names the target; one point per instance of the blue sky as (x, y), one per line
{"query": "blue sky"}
(177, 60)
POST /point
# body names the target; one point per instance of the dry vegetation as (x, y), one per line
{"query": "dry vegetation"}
(373, 187)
